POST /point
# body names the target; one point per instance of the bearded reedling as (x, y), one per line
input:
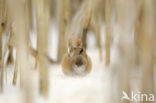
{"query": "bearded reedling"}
(76, 62)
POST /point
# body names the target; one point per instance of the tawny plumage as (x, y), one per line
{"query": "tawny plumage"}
(76, 62)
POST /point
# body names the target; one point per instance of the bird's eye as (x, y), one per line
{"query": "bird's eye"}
(81, 51)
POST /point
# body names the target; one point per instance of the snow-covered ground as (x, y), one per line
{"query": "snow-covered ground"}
(63, 89)
(100, 86)
(88, 89)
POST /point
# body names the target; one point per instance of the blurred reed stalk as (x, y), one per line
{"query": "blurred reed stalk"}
(87, 23)
(1, 58)
(21, 31)
(108, 30)
(63, 22)
(74, 7)
(98, 31)
(9, 45)
(43, 20)
(97, 15)
(146, 33)
(29, 9)
(12, 43)
(2, 29)
(126, 51)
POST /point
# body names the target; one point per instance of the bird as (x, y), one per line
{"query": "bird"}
(75, 61)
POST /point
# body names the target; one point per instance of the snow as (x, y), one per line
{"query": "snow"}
(99, 86)
(91, 88)
(78, 89)
(66, 89)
